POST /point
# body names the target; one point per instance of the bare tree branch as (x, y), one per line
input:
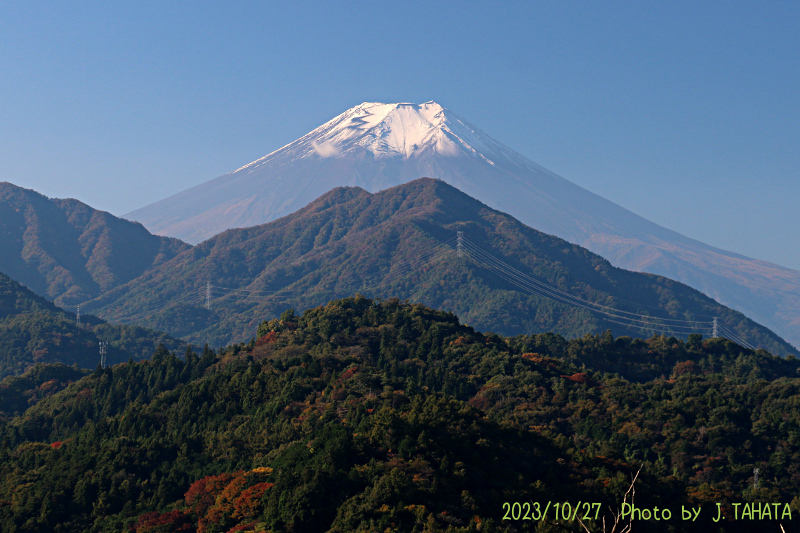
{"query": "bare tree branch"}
(617, 516)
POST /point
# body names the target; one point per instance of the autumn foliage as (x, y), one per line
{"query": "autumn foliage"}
(171, 522)
(222, 502)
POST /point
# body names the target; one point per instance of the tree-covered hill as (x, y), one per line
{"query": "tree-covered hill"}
(364, 415)
(33, 330)
(18, 393)
(506, 277)
(69, 252)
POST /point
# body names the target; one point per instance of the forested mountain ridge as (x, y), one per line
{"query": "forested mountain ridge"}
(401, 242)
(18, 393)
(366, 415)
(33, 330)
(69, 252)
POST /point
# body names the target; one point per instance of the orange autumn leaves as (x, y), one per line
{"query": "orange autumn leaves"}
(222, 503)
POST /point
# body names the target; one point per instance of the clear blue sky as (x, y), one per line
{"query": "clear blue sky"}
(687, 113)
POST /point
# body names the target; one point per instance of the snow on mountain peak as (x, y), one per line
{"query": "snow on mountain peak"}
(385, 130)
(395, 131)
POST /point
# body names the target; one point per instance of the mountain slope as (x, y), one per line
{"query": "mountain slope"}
(33, 331)
(402, 242)
(375, 146)
(67, 251)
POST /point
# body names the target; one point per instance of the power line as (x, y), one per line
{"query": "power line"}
(395, 271)
(404, 267)
(529, 284)
(729, 334)
(544, 286)
(534, 286)
(186, 298)
(635, 320)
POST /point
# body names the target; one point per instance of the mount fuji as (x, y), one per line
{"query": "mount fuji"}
(376, 146)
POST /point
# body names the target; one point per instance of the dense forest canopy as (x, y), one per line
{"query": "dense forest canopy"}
(370, 415)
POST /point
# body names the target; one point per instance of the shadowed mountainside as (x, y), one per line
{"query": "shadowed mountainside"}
(69, 252)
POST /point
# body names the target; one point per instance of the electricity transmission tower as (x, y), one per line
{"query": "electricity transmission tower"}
(103, 353)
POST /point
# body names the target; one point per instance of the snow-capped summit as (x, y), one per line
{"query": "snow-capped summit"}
(394, 130)
(375, 146)
(384, 130)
